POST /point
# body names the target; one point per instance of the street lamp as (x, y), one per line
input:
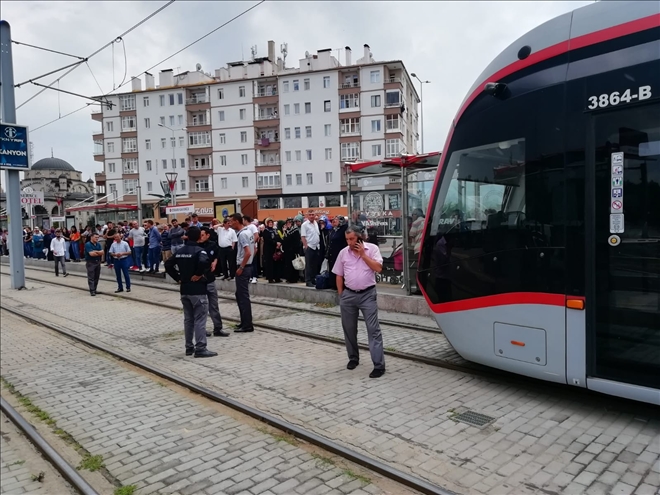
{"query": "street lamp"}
(171, 176)
(421, 97)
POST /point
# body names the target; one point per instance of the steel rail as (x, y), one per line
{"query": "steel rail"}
(297, 431)
(173, 288)
(51, 455)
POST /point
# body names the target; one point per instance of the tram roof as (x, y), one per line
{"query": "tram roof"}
(411, 162)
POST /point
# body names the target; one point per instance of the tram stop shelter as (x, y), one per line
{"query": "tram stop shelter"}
(389, 198)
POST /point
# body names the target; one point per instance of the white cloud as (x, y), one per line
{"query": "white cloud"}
(448, 43)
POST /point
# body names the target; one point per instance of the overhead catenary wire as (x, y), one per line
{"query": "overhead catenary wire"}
(132, 28)
(47, 49)
(155, 65)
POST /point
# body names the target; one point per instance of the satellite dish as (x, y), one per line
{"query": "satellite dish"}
(198, 67)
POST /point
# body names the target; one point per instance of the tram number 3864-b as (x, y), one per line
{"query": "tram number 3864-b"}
(616, 98)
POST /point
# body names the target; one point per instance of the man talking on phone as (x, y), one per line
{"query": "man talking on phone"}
(356, 268)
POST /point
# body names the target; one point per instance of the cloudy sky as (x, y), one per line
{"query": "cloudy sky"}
(447, 43)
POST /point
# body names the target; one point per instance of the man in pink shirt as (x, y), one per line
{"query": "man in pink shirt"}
(356, 268)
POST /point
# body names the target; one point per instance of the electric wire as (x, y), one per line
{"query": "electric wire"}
(96, 80)
(47, 49)
(100, 50)
(155, 65)
(125, 62)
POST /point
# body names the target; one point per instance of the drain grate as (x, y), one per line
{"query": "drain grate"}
(474, 419)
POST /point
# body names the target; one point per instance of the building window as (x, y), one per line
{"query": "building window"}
(109, 125)
(241, 114)
(333, 201)
(129, 145)
(243, 136)
(306, 84)
(287, 133)
(164, 164)
(376, 150)
(308, 131)
(147, 144)
(148, 165)
(179, 97)
(113, 188)
(171, 119)
(126, 102)
(393, 147)
(313, 201)
(297, 132)
(298, 179)
(310, 179)
(173, 142)
(145, 101)
(149, 187)
(375, 101)
(111, 167)
(202, 185)
(111, 147)
(171, 99)
(173, 163)
(350, 151)
(287, 155)
(182, 163)
(349, 126)
(296, 108)
(296, 85)
(285, 86)
(130, 186)
(162, 120)
(199, 139)
(147, 123)
(269, 203)
(221, 115)
(287, 109)
(326, 106)
(326, 81)
(392, 122)
(223, 183)
(268, 181)
(289, 180)
(183, 185)
(349, 101)
(328, 130)
(246, 182)
(180, 119)
(241, 91)
(244, 159)
(328, 153)
(223, 139)
(298, 155)
(309, 154)
(221, 94)
(223, 160)
(182, 141)
(375, 125)
(328, 177)
(293, 202)
(128, 123)
(374, 76)
(200, 163)
(162, 100)
(308, 107)
(163, 143)
(393, 98)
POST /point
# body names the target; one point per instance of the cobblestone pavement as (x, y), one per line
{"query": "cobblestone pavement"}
(20, 463)
(542, 440)
(154, 437)
(425, 344)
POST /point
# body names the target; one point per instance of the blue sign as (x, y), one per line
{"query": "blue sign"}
(14, 147)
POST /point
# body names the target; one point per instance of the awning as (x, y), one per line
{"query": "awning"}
(427, 160)
(104, 208)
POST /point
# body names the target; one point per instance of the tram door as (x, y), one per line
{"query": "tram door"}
(624, 338)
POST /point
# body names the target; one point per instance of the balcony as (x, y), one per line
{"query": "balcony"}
(197, 98)
(354, 132)
(346, 85)
(269, 186)
(269, 163)
(198, 123)
(273, 142)
(265, 91)
(393, 104)
(97, 114)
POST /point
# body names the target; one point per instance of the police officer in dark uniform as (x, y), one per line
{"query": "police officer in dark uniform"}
(188, 267)
(213, 251)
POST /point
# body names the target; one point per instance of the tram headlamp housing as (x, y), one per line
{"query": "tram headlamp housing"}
(498, 90)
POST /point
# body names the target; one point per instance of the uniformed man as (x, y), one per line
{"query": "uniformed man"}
(213, 252)
(244, 259)
(188, 267)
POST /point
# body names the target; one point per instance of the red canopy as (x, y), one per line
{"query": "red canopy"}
(426, 160)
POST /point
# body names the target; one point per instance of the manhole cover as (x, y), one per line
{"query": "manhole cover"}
(474, 418)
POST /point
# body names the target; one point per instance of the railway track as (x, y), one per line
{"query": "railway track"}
(348, 454)
(49, 453)
(172, 288)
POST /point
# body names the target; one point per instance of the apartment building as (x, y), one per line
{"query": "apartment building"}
(272, 137)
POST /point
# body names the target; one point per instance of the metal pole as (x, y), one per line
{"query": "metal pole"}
(12, 177)
(404, 224)
(349, 199)
(139, 205)
(421, 111)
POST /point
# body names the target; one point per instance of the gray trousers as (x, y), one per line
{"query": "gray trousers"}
(351, 304)
(243, 297)
(312, 264)
(195, 309)
(93, 274)
(59, 260)
(214, 310)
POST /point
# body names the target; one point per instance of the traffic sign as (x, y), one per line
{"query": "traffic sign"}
(178, 209)
(14, 147)
(617, 206)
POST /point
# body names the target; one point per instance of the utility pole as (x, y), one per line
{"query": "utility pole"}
(12, 177)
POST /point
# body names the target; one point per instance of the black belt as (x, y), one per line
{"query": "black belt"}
(359, 291)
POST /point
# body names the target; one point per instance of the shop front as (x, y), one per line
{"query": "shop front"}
(284, 213)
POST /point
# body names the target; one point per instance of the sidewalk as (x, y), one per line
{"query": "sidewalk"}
(154, 437)
(538, 442)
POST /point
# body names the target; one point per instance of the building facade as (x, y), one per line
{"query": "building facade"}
(273, 138)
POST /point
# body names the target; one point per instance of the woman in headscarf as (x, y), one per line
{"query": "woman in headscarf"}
(336, 242)
(291, 244)
(324, 234)
(272, 253)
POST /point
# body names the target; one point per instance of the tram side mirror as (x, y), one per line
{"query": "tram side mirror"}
(498, 90)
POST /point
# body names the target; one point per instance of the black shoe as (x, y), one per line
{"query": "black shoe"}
(244, 330)
(57, 275)
(220, 333)
(190, 352)
(92, 292)
(352, 365)
(205, 353)
(208, 334)
(118, 291)
(377, 373)
(309, 284)
(66, 274)
(128, 290)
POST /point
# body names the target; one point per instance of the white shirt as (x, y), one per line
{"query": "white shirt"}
(226, 237)
(58, 246)
(310, 231)
(120, 247)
